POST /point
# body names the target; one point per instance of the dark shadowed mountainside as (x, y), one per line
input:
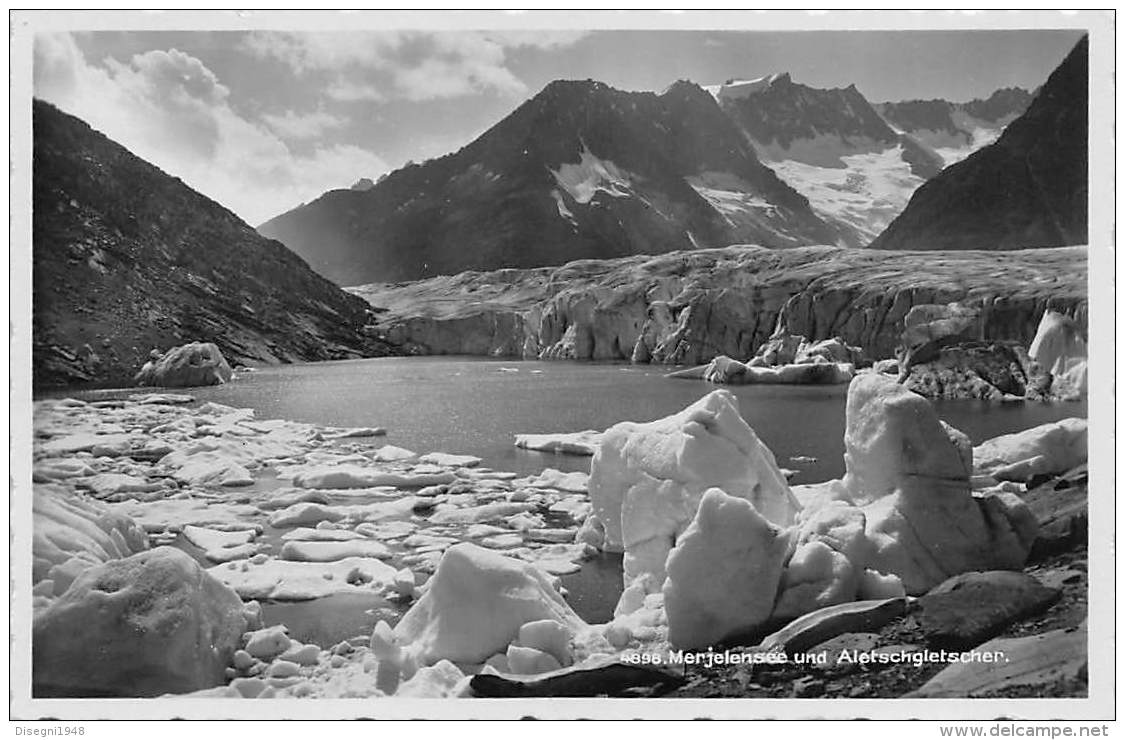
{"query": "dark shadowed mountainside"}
(127, 258)
(1029, 189)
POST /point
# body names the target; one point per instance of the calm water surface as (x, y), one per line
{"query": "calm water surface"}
(477, 406)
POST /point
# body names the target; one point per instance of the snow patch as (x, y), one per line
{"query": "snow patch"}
(584, 179)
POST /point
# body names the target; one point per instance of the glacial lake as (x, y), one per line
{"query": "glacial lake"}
(476, 406)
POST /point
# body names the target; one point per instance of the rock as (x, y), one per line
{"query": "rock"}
(269, 642)
(646, 480)
(1025, 662)
(850, 642)
(1062, 517)
(198, 363)
(476, 603)
(990, 371)
(808, 686)
(970, 608)
(811, 629)
(1051, 448)
(723, 572)
(148, 624)
(597, 677)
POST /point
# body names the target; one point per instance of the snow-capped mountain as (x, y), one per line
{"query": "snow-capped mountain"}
(1028, 189)
(956, 130)
(833, 147)
(579, 171)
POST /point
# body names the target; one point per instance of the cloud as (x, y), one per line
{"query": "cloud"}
(293, 125)
(406, 65)
(170, 109)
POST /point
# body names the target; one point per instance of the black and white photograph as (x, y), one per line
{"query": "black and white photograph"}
(564, 365)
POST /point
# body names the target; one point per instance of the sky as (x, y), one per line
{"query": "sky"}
(262, 121)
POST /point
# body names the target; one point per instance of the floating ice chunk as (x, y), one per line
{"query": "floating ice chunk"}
(390, 453)
(476, 514)
(322, 535)
(501, 541)
(1049, 448)
(356, 432)
(647, 479)
(723, 573)
(305, 514)
(227, 554)
(84, 442)
(213, 539)
(59, 469)
(386, 530)
(475, 605)
(450, 461)
(288, 580)
(572, 443)
(576, 482)
(162, 399)
(354, 477)
(322, 552)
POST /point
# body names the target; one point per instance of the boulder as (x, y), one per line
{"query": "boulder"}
(1036, 661)
(148, 624)
(1047, 449)
(832, 350)
(990, 371)
(723, 573)
(646, 480)
(970, 608)
(198, 363)
(475, 605)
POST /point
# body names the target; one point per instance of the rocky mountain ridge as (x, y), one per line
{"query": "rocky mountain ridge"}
(579, 171)
(1029, 188)
(127, 258)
